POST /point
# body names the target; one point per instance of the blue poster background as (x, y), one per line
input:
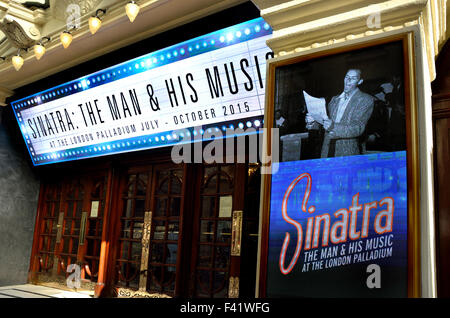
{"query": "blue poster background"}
(334, 182)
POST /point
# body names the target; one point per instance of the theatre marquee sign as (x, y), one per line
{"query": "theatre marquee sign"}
(213, 82)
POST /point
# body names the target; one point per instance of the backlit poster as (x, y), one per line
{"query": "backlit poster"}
(339, 211)
(216, 81)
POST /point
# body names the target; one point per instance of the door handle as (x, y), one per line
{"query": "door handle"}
(82, 228)
(236, 233)
(145, 243)
(59, 227)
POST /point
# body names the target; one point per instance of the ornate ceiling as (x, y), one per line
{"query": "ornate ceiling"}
(24, 23)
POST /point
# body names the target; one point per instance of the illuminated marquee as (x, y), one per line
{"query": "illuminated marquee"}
(214, 82)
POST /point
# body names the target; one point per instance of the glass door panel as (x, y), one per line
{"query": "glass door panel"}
(70, 227)
(48, 227)
(94, 227)
(213, 240)
(133, 203)
(72, 209)
(167, 203)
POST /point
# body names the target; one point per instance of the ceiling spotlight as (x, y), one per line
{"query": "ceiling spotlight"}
(94, 22)
(132, 10)
(17, 61)
(39, 49)
(66, 39)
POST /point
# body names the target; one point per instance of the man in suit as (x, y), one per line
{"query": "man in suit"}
(348, 114)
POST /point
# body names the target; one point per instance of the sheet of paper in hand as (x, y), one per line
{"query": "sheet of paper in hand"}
(316, 107)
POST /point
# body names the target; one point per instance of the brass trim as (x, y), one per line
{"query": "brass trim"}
(59, 282)
(59, 226)
(82, 228)
(236, 233)
(145, 242)
(414, 266)
(130, 293)
(233, 287)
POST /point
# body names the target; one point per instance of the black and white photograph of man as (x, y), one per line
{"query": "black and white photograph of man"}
(363, 100)
(349, 113)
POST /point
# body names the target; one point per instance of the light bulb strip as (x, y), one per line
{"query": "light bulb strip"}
(230, 36)
(151, 141)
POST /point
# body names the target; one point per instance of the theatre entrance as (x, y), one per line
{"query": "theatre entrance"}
(68, 230)
(151, 230)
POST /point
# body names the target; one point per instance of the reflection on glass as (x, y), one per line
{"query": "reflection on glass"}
(48, 226)
(139, 208)
(161, 206)
(175, 206)
(52, 245)
(164, 186)
(226, 178)
(45, 242)
(205, 256)
(74, 247)
(131, 180)
(77, 226)
(137, 230)
(203, 279)
(125, 245)
(170, 276)
(92, 229)
(171, 254)
(126, 225)
(220, 284)
(68, 227)
(159, 230)
(157, 251)
(173, 231)
(127, 208)
(222, 257)
(136, 249)
(206, 231)
(225, 185)
(69, 208)
(208, 207)
(176, 182)
(210, 185)
(224, 231)
(141, 184)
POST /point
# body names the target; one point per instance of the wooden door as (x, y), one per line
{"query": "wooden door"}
(68, 230)
(183, 231)
(217, 237)
(133, 204)
(147, 251)
(164, 264)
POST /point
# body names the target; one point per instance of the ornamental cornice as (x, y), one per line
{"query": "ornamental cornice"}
(300, 25)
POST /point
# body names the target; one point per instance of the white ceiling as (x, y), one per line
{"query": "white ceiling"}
(117, 31)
